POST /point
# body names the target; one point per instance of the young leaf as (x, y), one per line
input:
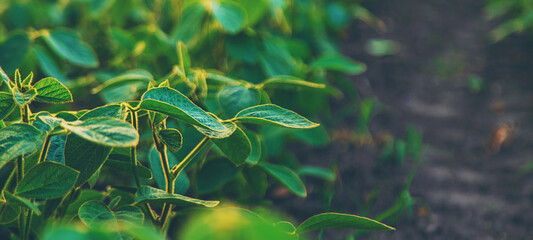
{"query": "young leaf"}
(51, 90)
(10, 198)
(18, 139)
(28, 80)
(171, 138)
(105, 131)
(236, 98)
(7, 104)
(47, 180)
(174, 104)
(230, 14)
(95, 212)
(286, 177)
(270, 114)
(84, 156)
(68, 45)
(338, 220)
(214, 174)
(337, 62)
(13, 50)
(236, 147)
(283, 80)
(26, 97)
(147, 194)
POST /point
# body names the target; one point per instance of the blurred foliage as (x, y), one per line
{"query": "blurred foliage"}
(517, 17)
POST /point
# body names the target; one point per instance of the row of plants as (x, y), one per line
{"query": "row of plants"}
(188, 100)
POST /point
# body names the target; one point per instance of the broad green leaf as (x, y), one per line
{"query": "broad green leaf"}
(9, 212)
(105, 131)
(286, 177)
(12, 199)
(255, 144)
(151, 195)
(95, 212)
(181, 184)
(7, 104)
(125, 79)
(214, 174)
(174, 104)
(191, 20)
(13, 50)
(337, 62)
(320, 172)
(130, 214)
(270, 114)
(236, 147)
(18, 139)
(56, 149)
(68, 45)
(339, 220)
(47, 180)
(124, 166)
(280, 81)
(315, 137)
(285, 226)
(48, 65)
(230, 128)
(51, 90)
(111, 110)
(231, 15)
(233, 99)
(171, 138)
(26, 97)
(85, 156)
(85, 195)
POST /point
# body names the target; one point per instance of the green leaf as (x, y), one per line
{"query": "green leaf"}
(10, 198)
(124, 166)
(84, 156)
(112, 110)
(26, 97)
(18, 139)
(184, 58)
(127, 78)
(95, 212)
(236, 147)
(68, 45)
(231, 15)
(290, 81)
(236, 98)
(105, 131)
(13, 51)
(270, 114)
(214, 174)
(9, 212)
(256, 179)
(319, 172)
(7, 104)
(151, 195)
(338, 220)
(130, 214)
(181, 184)
(47, 180)
(337, 62)
(174, 104)
(230, 128)
(171, 138)
(51, 90)
(286, 177)
(255, 154)
(28, 80)
(48, 65)
(56, 149)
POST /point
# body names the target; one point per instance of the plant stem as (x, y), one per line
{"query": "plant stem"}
(44, 151)
(133, 150)
(178, 168)
(162, 149)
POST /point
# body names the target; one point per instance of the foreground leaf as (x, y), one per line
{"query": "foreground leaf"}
(339, 220)
(236, 147)
(105, 131)
(68, 45)
(174, 104)
(85, 156)
(47, 180)
(51, 90)
(147, 194)
(18, 139)
(236, 98)
(26, 97)
(270, 114)
(10, 198)
(286, 177)
(171, 138)
(95, 212)
(7, 104)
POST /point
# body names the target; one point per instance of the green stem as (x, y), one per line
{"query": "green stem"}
(44, 151)
(162, 149)
(178, 168)
(133, 150)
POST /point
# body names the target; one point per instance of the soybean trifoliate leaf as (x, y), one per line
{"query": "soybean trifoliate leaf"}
(174, 104)
(230, 128)
(10, 198)
(7, 104)
(270, 114)
(28, 80)
(68, 45)
(18, 139)
(337, 62)
(283, 80)
(236, 98)
(26, 97)
(151, 195)
(171, 138)
(339, 220)
(51, 90)
(231, 15)
(105, 131)
(112, 110)
(84, 156)
(13, 50)
(95, 212)
(236, 147)
(47, 180)
(286, 177)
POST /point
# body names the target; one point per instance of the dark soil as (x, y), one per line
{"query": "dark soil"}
(460, 190)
